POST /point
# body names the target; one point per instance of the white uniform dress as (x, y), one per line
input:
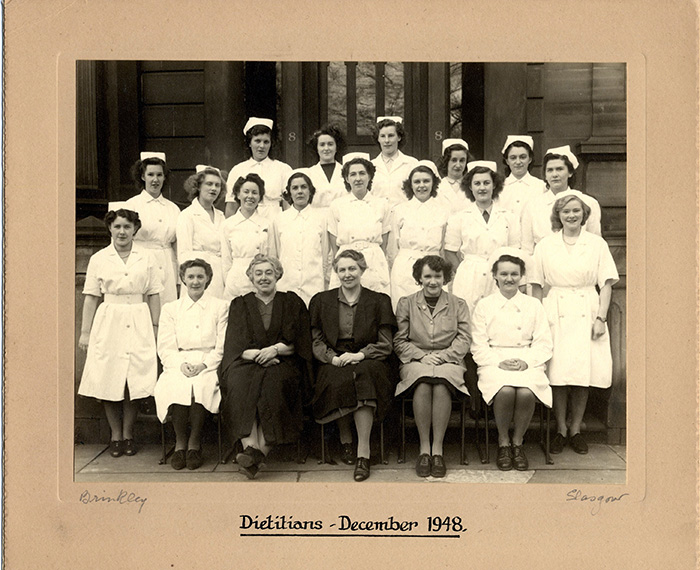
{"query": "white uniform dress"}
(468, 233)
(418, 229)
(359, 225)
(158, 222)
(452, 195)
(193, 333)
(273, 172)
(388, 179)
(241, 240)
(511, 328)
(200, 237)
(517, 193)
(326, 190)
(572, 306)
(300, 242)
(536, 219)
(122, 347)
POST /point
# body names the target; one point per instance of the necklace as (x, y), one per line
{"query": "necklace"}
(569, 242)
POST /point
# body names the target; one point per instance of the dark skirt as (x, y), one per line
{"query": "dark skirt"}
(343, 387)
(273, 393)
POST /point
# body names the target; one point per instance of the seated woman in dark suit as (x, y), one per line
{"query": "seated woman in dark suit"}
(352, 329)
(266, 363)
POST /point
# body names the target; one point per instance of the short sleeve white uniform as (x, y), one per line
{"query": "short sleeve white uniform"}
(388, 180)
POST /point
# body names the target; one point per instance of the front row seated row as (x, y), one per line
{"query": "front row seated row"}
(278, 356)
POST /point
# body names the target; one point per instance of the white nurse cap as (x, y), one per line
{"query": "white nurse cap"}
(450, 142)
(352, 155)
(298, 171)
(145, 155)
(201, 167)
(564, 151)
(121, 205)
(394, 118)
(510, 139)
(430, 164)
(490, 164)
(254, 121)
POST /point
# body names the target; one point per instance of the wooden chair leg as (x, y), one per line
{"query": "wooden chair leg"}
(463, 450)
(402, 451)
(381, 444)
(323, 445)
(163, 457)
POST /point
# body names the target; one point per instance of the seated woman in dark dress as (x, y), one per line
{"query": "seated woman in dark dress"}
(266, 363)
(352, 329)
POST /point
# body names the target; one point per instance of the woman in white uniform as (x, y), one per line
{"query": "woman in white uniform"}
(191, 336)
(418, 228)
(258, 142)
(300, 240)
(473, 234)
(572, 262)
(392, 166)
(559, 166)
(361, 221)
(520, 186)
(511, 344)
(119, 334)
(329, 144)
(158, 217)
(199, 225)
(243, 236)
(452, 166)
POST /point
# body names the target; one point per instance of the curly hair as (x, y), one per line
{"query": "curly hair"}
(496, 178)
(400, 131)
(138, 171)
(250, 177)
(335, 133)
(254, 131)
(408, 183)
(194, 182)
(262, 258)
(287, 194)
(436, 263)
(350, 254)
(555, 218)
(190, 263)
(129, 215)
(447, 155)
(369, 167)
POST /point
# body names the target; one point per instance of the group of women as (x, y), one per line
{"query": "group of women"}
(345, 285)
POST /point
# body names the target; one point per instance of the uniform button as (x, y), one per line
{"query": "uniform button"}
(519, 328)
(196, 326)
(128, 326)
(126, 274)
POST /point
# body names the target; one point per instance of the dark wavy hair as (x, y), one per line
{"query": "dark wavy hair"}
(519, 144)
(287, 194)
(408, 186)
(369, 167)
(250, 177)
(190, 263)
(350, 254)
(510, 258)
(447, 155)
(129, 215)
(389, 123)
(436, 263)
(259, 130)
(335, 133)
(193, 184)
(496, 177)
(552, 156)
(138, 169)
(555, 219)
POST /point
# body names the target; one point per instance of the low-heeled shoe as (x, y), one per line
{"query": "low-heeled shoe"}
(129, 447)
(179, 460)
(578, 444)
(116, 448)
(347, 455)
(438, 468)
(557, 443)
(423, 465)
(505, 458)
(194, 459)
(519, 459)
(361, 469)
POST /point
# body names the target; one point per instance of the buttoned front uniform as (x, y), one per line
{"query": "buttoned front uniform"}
(241, 239)
(158, 233)
(444, 332)
(516, 194)
(359, 225)
(388, 179)
(273, 172)
(468, 233)
(200, 237)
(536, 218)
(505, 328)
(122, 347)
(326, 190)
(418, 229)
(300, 242)
(572, 305)
(190, 332)
(451, 194)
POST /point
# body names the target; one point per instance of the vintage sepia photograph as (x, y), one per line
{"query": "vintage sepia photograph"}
(350, 270)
